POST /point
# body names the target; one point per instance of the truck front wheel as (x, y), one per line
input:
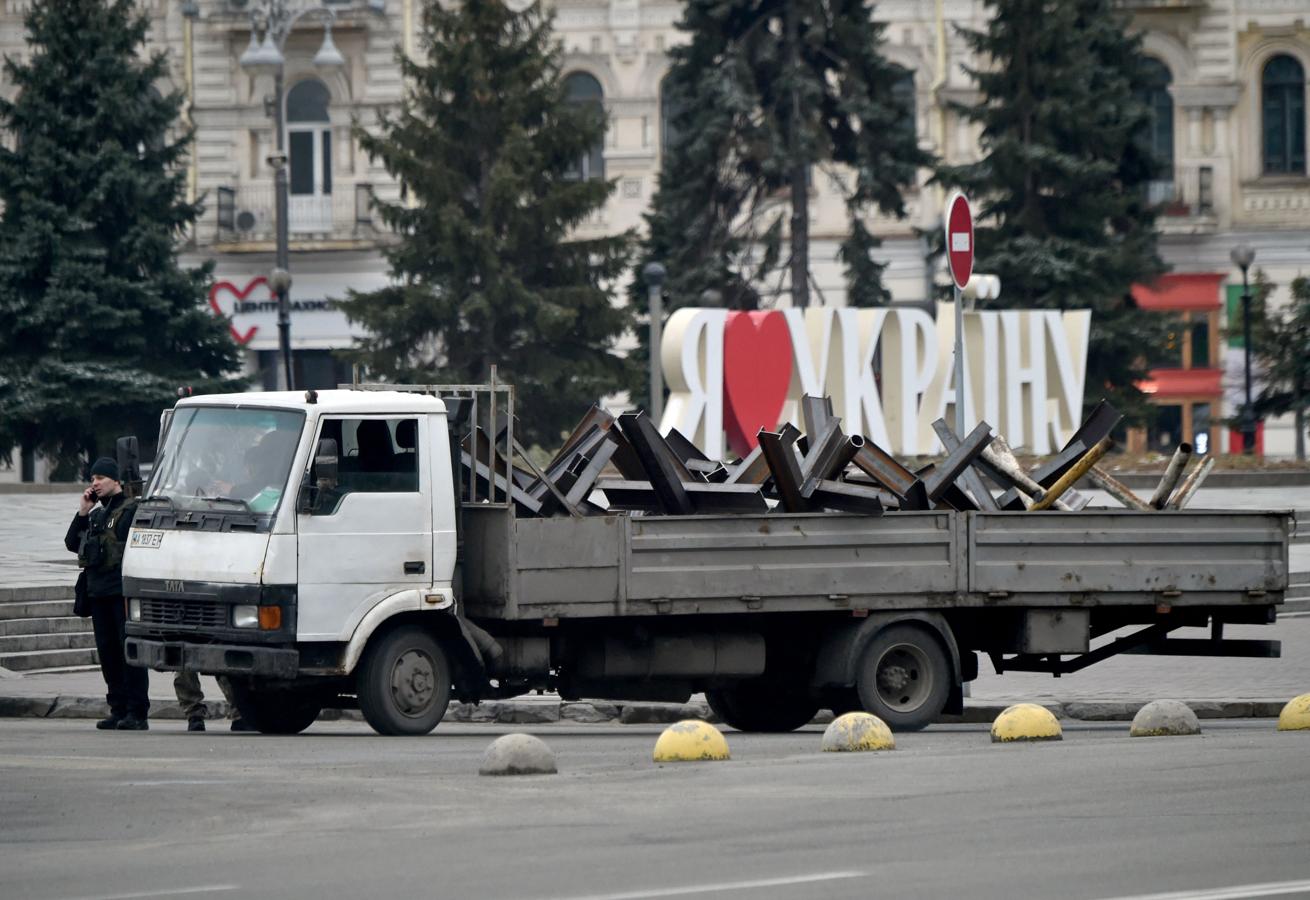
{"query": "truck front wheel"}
(762, 706)
(403, 682)
(904, 677)
(276, 712)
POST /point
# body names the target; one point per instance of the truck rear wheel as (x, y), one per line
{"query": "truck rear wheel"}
(276, 712)
(403, 682)
(759, 706)
(904, 677)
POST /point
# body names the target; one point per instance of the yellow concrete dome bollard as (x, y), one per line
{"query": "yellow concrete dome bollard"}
(1295, 715)
(1026, 722)
(690, 740)
(857, 731)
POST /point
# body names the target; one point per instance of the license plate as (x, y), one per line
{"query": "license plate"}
(147, 540)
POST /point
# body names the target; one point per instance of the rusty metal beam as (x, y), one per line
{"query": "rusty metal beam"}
(587, 478)
(970, 478)
(958, 460)
(786, 473)
(846, 497)
(664, 470)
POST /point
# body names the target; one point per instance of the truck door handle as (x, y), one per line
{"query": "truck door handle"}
(416, 567)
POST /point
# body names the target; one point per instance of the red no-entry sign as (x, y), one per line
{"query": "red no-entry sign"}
(959, 239)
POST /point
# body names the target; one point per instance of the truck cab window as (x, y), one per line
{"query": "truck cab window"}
(378, 456)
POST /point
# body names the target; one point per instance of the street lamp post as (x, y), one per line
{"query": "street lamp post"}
(276, 18)
(1242, 256)
(654, 275)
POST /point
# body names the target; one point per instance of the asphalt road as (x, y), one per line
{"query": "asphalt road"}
(338, 812)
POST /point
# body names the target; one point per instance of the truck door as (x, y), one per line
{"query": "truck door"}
(372, 535)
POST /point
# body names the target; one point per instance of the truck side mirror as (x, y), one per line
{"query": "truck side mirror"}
(326, 464)
(128, 455)
(325, 471)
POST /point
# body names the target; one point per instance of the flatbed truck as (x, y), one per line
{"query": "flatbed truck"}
(323, 550)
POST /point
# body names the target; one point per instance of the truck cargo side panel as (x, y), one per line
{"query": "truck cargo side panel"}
(1205, 554)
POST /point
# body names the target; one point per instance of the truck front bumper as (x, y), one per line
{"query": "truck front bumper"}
(213, 659)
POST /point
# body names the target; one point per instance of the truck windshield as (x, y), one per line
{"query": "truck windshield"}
(215, 455)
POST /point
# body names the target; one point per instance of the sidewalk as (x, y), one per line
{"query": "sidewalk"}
(34, 557)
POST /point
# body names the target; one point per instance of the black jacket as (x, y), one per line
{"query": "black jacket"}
(106, 578)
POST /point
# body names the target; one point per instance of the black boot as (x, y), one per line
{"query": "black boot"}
(110, 722)
(242, 725)
(132, 722)
(195, 723)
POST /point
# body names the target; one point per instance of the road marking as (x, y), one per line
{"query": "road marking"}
(1236, 892)
(724, 886)
(169, 892)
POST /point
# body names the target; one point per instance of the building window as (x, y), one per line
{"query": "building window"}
(671, 106)
(903, 96)
(579, 87)
(1158, 131)
(309, 156)
(1282, 94)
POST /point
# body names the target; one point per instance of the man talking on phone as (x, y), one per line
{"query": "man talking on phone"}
(98, 535)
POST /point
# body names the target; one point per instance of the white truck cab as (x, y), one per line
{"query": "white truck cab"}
(293, 524)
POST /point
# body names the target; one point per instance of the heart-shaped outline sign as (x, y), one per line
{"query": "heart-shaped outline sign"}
(240, 294)
(757, 363)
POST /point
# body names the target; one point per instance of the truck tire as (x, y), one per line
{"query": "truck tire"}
(904, 677)
(760, 706)
(403, 682)
(276, 712)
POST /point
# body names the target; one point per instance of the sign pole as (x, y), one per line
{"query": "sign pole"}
(959, 363)
(958, 225)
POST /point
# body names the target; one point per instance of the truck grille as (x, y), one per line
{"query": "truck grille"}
(189, 613)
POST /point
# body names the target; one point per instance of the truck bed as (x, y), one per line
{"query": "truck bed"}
(625, 565)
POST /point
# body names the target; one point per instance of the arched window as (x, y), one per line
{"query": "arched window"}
(579, 87)
(1282, 95)
(903, 95)
(309, 156)
(1158, 134)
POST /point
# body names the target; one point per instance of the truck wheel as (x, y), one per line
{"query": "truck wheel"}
(754, 706)
(276, 712)
(904, 677)
(404, 682)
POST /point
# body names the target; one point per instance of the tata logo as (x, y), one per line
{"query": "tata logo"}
(175, 587)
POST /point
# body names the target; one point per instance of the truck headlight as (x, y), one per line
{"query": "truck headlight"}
(245, 616)
(134, 610)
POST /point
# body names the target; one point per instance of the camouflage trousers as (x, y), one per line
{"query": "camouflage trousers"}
(192, 699)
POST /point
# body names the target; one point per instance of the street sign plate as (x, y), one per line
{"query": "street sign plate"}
(959, 239)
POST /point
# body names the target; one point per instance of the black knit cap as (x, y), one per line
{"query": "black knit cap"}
(105, 466)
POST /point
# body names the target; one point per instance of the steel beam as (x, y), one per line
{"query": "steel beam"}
(786, 473)
(664, 470)
(972, 481)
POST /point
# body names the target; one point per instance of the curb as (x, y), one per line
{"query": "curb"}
(584, 712)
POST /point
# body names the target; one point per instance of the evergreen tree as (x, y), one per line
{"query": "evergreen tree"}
(767, 96)
(101, 325)
(1060, 192)
(1281, 341)
(486, 266)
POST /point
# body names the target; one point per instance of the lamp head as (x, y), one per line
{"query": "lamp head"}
(1242, 256)
(653, 274)
(264, 59)
(328, 56)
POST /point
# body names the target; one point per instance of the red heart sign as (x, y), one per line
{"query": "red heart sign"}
(238, 294)
(756, 374)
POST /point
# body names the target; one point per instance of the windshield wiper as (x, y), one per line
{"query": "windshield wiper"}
(245, 503)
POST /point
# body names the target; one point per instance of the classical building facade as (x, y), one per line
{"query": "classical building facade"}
(1230, 118)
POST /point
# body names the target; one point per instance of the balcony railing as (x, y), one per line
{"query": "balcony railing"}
(248, 213)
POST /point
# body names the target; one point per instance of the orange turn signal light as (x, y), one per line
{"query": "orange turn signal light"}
(270, 618)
